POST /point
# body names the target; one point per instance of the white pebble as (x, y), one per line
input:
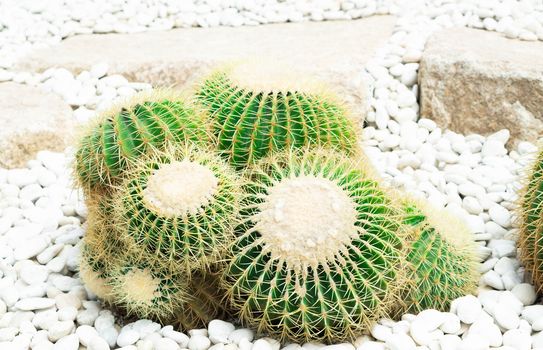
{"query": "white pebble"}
(86, 334)
(60, 329)
(468, 309)
(70, 342)
(400, 342)
(127, 337)
(98, 343)
(517, 339)
(165, 344)
(218, 331)
(34, 304)
(525, 293)
(200, 342)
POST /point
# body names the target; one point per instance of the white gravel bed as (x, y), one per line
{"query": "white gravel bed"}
(30, 24)
(43, 304)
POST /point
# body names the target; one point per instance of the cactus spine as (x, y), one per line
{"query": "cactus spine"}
(530, 213)
(101, 249)
(442, 259)
(146, 122)
(253, 118)
(318, 251)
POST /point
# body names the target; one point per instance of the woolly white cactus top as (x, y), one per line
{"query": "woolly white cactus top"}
(140, 286)
(306, 220)
(266, 76)
(179, 188)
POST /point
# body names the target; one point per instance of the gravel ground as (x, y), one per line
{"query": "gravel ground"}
(43, 305)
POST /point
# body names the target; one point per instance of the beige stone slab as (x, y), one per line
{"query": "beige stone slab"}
(473, 81)
(336, 51)
(31, 120)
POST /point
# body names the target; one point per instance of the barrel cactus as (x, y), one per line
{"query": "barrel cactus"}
(256, 110)
(147, 289)
(318, 249)
(441, 260)
(180, 205)
(93, 266)
(121, 134)
(530, 214)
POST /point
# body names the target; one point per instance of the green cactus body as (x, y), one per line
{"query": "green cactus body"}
(442, 260)
(100, 251)
(530, 213)
(93, 269)
(147, 289)
(252, 121)
(204, 303)
(144, 123)
(319, 249)
(180, 205)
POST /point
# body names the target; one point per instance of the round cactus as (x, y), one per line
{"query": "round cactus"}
(180, 204)
(145, 122)
(148, 289)
(441, 260)
(101, 249)
(530, 214)
(256, 112)
(318, 250)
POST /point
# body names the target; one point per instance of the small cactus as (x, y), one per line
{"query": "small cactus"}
(101, 249)
(180, 204)
(441, 260)
(530, 214)
(147, 289)
(125, 132)
(255, 113)
(318, 251)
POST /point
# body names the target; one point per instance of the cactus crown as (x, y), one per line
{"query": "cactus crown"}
(317, 252)
(530, 214)
(270, 77)
(252, 121)
(179, 188)
(306, 220)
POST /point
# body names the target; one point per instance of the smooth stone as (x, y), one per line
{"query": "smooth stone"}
(218, 331)
(532, 313)
(200, 342)
(34, 274)
(468, 308)
(400, 342)
(29, 304)
(86, 334)
(70, 342)
(60, 329)
(500, 215)
(525, 292)
(180, 338)
(98, 343)
(30, 248)
(487, 330)
(517, 339)
(127, 337)
(242, 333)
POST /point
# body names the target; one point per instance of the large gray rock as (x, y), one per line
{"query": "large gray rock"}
(31, 120)
(473, 81)
(335, 51)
